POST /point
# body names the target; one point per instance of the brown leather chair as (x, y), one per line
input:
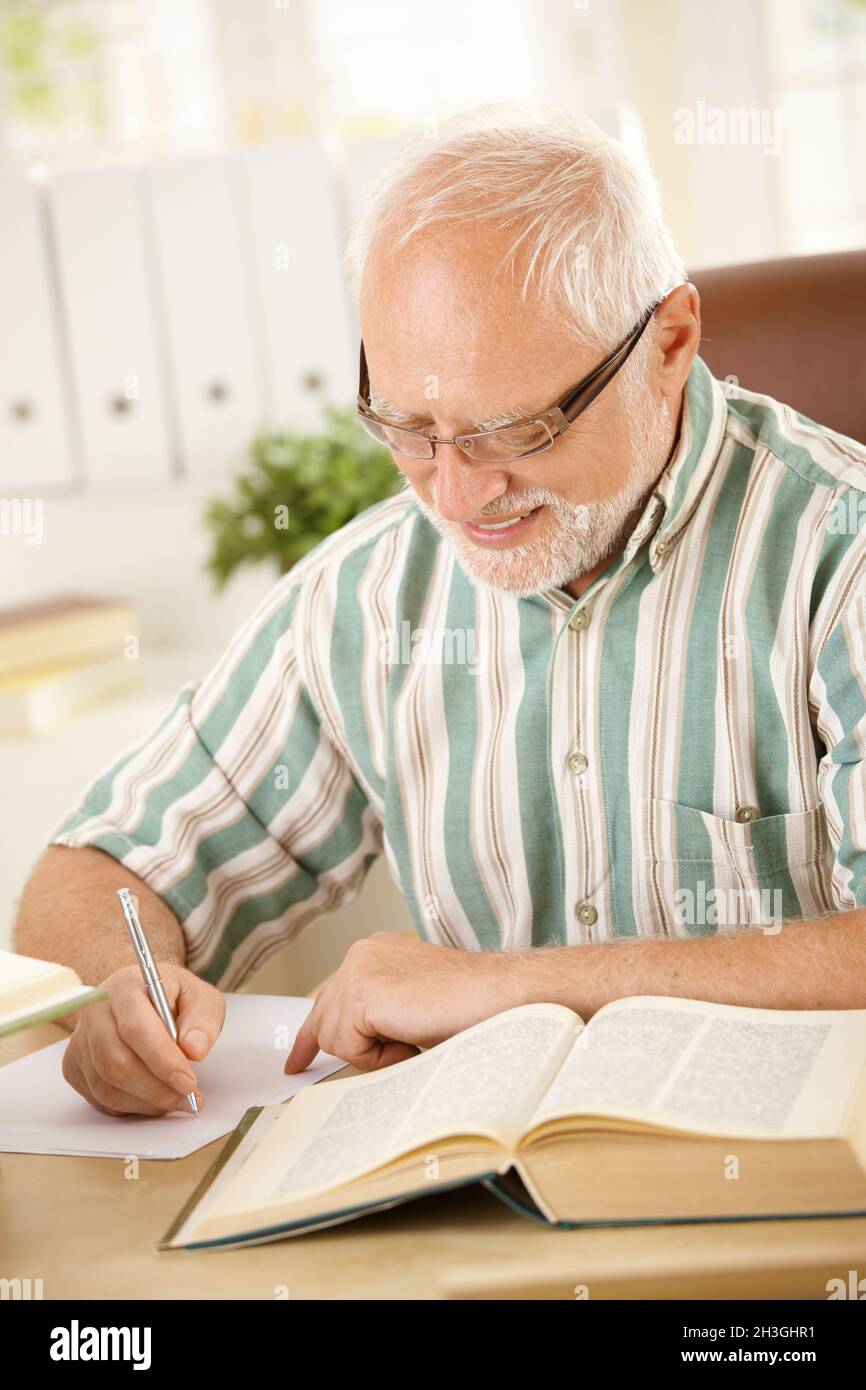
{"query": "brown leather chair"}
(793, 329)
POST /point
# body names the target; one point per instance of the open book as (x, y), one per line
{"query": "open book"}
(657, 1110)
(33, 991)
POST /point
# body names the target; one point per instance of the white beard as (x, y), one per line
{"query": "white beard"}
(574, 539)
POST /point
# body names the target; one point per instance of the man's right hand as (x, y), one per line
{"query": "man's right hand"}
(120, 1056)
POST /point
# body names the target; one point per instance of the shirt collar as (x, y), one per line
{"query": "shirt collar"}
(677, 492)
(681, 485)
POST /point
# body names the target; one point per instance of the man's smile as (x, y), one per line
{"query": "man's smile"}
(502, 531)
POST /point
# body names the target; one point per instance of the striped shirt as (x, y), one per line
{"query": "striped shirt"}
(542, 770)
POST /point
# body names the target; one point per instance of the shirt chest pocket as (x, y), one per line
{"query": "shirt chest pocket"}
(704, 873)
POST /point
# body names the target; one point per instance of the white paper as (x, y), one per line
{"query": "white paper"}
(41, 1114)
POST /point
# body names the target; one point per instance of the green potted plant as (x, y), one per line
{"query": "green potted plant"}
(295, 490)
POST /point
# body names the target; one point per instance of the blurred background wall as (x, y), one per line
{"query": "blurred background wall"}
(177, 178)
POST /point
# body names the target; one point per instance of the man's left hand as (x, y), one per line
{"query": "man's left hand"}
(393, 995)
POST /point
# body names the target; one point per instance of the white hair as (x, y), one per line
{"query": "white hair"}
(586, 217)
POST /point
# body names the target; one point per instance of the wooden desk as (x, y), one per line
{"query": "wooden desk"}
(88, 1232)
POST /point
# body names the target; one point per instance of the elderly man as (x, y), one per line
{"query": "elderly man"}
(595, 681)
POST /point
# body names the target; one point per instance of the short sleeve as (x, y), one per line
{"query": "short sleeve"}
(839, 692)
(237, 808)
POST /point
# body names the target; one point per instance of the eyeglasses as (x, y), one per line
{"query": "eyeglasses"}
(521, 440)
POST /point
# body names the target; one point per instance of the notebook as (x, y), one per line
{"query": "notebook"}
(41, 1114)
(34, 991)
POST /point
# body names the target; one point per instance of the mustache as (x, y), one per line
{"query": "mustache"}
(522, 502)
(503, 506)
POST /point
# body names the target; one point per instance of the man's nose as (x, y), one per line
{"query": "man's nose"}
(463, 488)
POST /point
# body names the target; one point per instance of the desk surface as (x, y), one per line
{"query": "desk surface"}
(88, 1232)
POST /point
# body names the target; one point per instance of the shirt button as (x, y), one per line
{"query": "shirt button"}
(578, 763)
(586, 914)
(661, 547)
(745, 814)
(580, 621)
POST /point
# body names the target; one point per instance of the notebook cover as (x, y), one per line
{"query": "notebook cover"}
(44, 1013)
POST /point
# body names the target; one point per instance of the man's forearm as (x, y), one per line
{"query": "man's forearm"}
(69, 914)
(806, 965)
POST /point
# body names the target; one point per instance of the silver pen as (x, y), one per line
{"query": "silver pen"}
(144, 956)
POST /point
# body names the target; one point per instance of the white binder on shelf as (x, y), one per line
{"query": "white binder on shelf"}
(112, 306)
(201, 248)
(36, 437)
(297, 255)
(365, 160)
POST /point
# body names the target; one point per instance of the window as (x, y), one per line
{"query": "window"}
(83, 80)
(817, 60)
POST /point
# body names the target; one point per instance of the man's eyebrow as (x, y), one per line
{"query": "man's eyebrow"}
(381, 406)
(397, 415)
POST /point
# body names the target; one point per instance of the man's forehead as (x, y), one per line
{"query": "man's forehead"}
(486, 379)
(463, 408)
(446, 331)
(454, 280)
(427, 375)
(431, 345)
(458, 259)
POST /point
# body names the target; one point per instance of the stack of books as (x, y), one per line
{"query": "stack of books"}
(61, 655)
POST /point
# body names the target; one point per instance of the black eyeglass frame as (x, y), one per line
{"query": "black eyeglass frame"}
(555, 420)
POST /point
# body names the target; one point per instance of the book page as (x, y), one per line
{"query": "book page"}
(485, 1082)
(713, 1068)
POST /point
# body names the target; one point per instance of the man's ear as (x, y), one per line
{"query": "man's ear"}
(678, 336)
